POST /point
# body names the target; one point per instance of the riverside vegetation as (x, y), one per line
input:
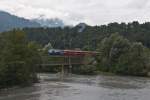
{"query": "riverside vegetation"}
(18, 59)
(124, 49)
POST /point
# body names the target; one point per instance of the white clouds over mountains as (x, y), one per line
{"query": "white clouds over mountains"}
(73, 11)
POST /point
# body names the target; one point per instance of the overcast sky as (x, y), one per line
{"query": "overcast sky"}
(93, 12)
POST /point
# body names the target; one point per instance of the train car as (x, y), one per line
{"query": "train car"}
(55, 52)
(73, 53)
(70, 52)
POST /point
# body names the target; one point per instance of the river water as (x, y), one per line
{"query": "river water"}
(78, 87)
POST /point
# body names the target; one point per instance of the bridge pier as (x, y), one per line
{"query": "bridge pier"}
(70, 70)
(62, 73)
(65, 72)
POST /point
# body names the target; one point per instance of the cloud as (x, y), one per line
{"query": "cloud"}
(138, 4)
(93, 12)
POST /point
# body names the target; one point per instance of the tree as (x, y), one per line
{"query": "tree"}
(17, 59)
(110, 50)
(135, 61)
(118, 55)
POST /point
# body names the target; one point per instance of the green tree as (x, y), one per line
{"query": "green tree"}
(135, 61)
(17, 59)
(110, 50)
(118, 55)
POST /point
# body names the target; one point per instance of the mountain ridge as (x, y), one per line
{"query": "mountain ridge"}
(9, 22)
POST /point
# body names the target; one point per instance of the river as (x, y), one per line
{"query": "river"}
(80, 87)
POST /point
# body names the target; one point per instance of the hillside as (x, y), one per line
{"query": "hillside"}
(88, 37)
(8, 22)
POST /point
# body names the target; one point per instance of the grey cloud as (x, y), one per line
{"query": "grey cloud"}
(74, 11)
(138, 4)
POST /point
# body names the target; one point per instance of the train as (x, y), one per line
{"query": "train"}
(57, 52)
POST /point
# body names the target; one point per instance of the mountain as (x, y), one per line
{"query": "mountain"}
(81, 27)
(8, 22)
(50, 22)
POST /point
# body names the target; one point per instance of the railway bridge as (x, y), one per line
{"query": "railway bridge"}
(67, 58)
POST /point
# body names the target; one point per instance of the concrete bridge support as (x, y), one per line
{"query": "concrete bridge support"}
(65, 71)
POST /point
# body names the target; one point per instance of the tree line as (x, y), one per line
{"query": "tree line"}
(124, 49)
(90, 36)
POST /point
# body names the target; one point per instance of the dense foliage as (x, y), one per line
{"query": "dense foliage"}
(87, 37)
(125, 52)
(124, 49)
(17, 59)
(119, 55)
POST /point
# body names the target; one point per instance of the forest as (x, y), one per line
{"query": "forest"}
(83, 35)
(124, 49)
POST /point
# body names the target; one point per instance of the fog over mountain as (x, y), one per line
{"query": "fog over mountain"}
(55, 22)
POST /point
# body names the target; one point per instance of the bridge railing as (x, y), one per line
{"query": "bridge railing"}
(60, 60)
